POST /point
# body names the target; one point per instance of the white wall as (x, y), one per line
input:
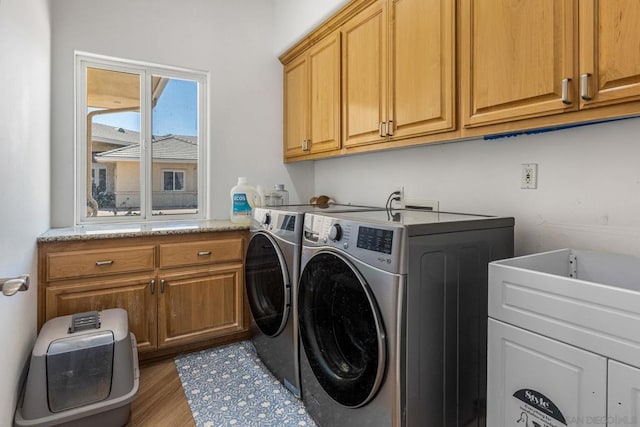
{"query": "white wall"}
(231, 39)
(588, 194)
(24, 174)
(295, 18)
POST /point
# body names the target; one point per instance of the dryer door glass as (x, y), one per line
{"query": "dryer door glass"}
(341, 330)
(267, 284)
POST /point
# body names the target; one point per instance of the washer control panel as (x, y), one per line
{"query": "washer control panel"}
(379, 245)
(375, 239)
(283, 224)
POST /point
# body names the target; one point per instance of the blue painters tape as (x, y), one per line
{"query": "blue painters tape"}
(551, 129)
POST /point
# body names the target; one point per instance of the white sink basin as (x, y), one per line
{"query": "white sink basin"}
(586, 299)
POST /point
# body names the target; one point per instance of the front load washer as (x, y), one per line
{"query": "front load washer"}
(272, 265)
(392, 313)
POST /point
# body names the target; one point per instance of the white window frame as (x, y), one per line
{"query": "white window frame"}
(84, 60)
(174, 171)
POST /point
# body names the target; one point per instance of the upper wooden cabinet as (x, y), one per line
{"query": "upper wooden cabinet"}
(609, 52)
(381, 71)
(419, 71)
(423, 57)
(398, 71)
(517, 59)
(525, 59)
(296, 107)
(312, 100)
(364, 76)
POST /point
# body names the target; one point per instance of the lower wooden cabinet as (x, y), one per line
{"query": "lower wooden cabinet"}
(133, 295)
(200, 305)
(171, 303)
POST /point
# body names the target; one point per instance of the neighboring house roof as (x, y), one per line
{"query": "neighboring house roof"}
(114, 135)
(170, 148)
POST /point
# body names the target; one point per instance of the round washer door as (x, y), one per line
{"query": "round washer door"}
(341, 330)
(267, 284)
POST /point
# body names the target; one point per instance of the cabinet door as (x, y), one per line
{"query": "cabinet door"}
(609, 51)
(623, 406)
(296, 107)
(514, 58)
(324, 102)
(536, 381)
(135, 296)
(364, 75)
(423, 71)
(200, 306)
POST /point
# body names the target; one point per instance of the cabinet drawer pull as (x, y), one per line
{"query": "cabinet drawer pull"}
(152, 286)
(204, 253)
(565, 91)
(101, 263)
(162, 286)
(584, 86)
(390, 127)
(380, 131)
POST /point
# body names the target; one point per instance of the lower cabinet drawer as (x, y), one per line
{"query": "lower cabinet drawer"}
(200, 253)
(89, 263)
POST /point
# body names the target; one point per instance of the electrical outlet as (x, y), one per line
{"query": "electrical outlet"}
(398, 204)
(529, 176)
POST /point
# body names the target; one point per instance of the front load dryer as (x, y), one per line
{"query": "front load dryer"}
(392, 310)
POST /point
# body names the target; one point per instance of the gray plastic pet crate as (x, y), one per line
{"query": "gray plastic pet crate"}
(83, 372)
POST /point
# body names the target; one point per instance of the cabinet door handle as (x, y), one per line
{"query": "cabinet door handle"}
(390, 127)
(101, 263)
(204, 253)
(162, 286)
(584, 86)
(380, 131)
(152, 286)
(306, 144)
(565, 91)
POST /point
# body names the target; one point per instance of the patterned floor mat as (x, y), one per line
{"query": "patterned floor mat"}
(229, 386)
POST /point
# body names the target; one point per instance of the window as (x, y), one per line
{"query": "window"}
(141, 141)
(99, 178)
(173, 180)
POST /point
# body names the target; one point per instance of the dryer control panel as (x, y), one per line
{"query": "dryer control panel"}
(379, 245)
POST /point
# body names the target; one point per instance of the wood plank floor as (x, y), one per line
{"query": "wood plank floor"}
(160, 400)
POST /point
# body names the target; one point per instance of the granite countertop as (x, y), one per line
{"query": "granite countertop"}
(112, 231)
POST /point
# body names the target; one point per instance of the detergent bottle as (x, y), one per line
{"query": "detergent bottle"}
(243, 197)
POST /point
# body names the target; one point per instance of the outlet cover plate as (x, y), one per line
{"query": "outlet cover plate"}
(529, 176)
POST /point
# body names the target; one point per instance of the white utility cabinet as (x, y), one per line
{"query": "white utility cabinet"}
(564, 340)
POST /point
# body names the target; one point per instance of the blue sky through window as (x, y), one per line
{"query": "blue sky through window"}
(175, 113)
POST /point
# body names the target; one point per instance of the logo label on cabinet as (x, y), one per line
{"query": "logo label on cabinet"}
(537, 410)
